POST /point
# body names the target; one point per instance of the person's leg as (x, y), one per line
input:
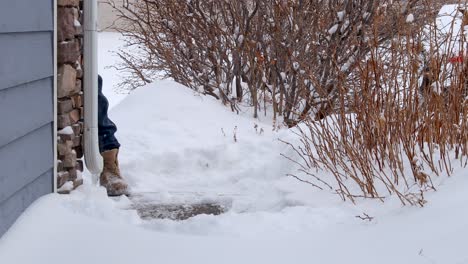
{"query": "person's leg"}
(107, 128)
(109, 148)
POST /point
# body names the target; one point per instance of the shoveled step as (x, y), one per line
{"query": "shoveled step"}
(182, 205)
(150, 211)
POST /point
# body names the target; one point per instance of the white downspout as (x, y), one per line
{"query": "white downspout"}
(92, 156)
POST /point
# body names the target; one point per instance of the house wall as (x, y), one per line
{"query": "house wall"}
(26, 105)
(69, 94)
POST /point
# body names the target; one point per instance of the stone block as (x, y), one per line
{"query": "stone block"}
(72, 174)
(78, 128)
(77, 141)
(79, 32)
(70, 3)
(65, 148)
(66, 134)
(59, 165)
(77, 183)
(65, 24)
(74, 116)
(77, 100)
(66, 81)
(79, 68)
(69, 161)
(76, 14)
(68, 52)
(63, 121)
(67, 137)
(79, 72)
(64, 106)
(77, 23)
(60, 139)
(78, 86)
(62, 178)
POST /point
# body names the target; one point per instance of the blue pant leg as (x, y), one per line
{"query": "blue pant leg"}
(106, 127)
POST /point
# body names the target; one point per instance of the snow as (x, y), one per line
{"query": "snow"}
(366, 15)
(66, 131)
(333, 29)
(68, 186)
(76, 23)
(173, 145)
(283, 75)
(183, 147)
(296, 65)
(448, 26)
(341, 15)
(410, 18)
(240, 39)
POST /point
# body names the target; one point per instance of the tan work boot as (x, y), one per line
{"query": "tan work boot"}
(110, 176)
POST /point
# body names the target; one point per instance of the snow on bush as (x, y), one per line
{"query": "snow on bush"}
(249, 51)
(375, 69)
(405, 125)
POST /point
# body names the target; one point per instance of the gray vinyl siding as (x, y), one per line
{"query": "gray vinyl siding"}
(26, 105)
(25, 57)
(26, 15)
(14, 206)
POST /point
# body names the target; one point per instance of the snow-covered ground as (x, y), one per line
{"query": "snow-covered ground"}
(184, 148)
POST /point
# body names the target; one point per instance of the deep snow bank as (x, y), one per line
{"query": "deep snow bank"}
(181, 147)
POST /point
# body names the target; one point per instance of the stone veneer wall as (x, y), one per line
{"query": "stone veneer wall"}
(70, 94)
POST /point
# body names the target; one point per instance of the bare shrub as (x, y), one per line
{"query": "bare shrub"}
(404, 122)
(369, 82)
(291, 55)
